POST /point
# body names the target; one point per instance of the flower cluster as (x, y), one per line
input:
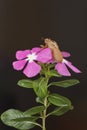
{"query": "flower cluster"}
(49, 61)
(28, 61)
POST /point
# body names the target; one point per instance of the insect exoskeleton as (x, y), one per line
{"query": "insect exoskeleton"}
(55, 49)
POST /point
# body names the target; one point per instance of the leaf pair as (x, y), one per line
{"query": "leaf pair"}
(27, 83)
(22, 120)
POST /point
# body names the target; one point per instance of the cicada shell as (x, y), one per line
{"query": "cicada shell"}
(55, 49)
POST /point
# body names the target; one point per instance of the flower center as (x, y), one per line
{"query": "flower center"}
(31, 57)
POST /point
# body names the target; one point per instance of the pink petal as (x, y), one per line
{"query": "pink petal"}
(45, 55)
(62, 69)
(36, 49)
(32, 69)
(51, 61)
(22, 54)
(19, 65)
(66, 54)
(76, 70)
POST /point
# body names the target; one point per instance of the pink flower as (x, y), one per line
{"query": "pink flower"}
(28, 60)
(62, 67)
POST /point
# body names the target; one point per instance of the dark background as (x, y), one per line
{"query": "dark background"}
(22, 25)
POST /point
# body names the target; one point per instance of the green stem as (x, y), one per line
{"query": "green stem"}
(44, 115)
(43, 121)
(45, 100)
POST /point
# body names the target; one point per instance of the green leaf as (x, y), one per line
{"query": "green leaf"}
(18, 119)
(59, 100)
(40, 87)
(34, 110)
(50, 65)
(61, 110)
(26, 83)
(65, 83)
(53, 73)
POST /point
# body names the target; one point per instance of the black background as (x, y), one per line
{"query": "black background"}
(22, 25)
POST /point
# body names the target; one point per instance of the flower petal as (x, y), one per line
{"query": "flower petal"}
(32, 69)
(19, 65)
(62, 69)
(66, 54)
(45, 55)
(76, 70)
(51, 61)
(36, 49)
(22, 54)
